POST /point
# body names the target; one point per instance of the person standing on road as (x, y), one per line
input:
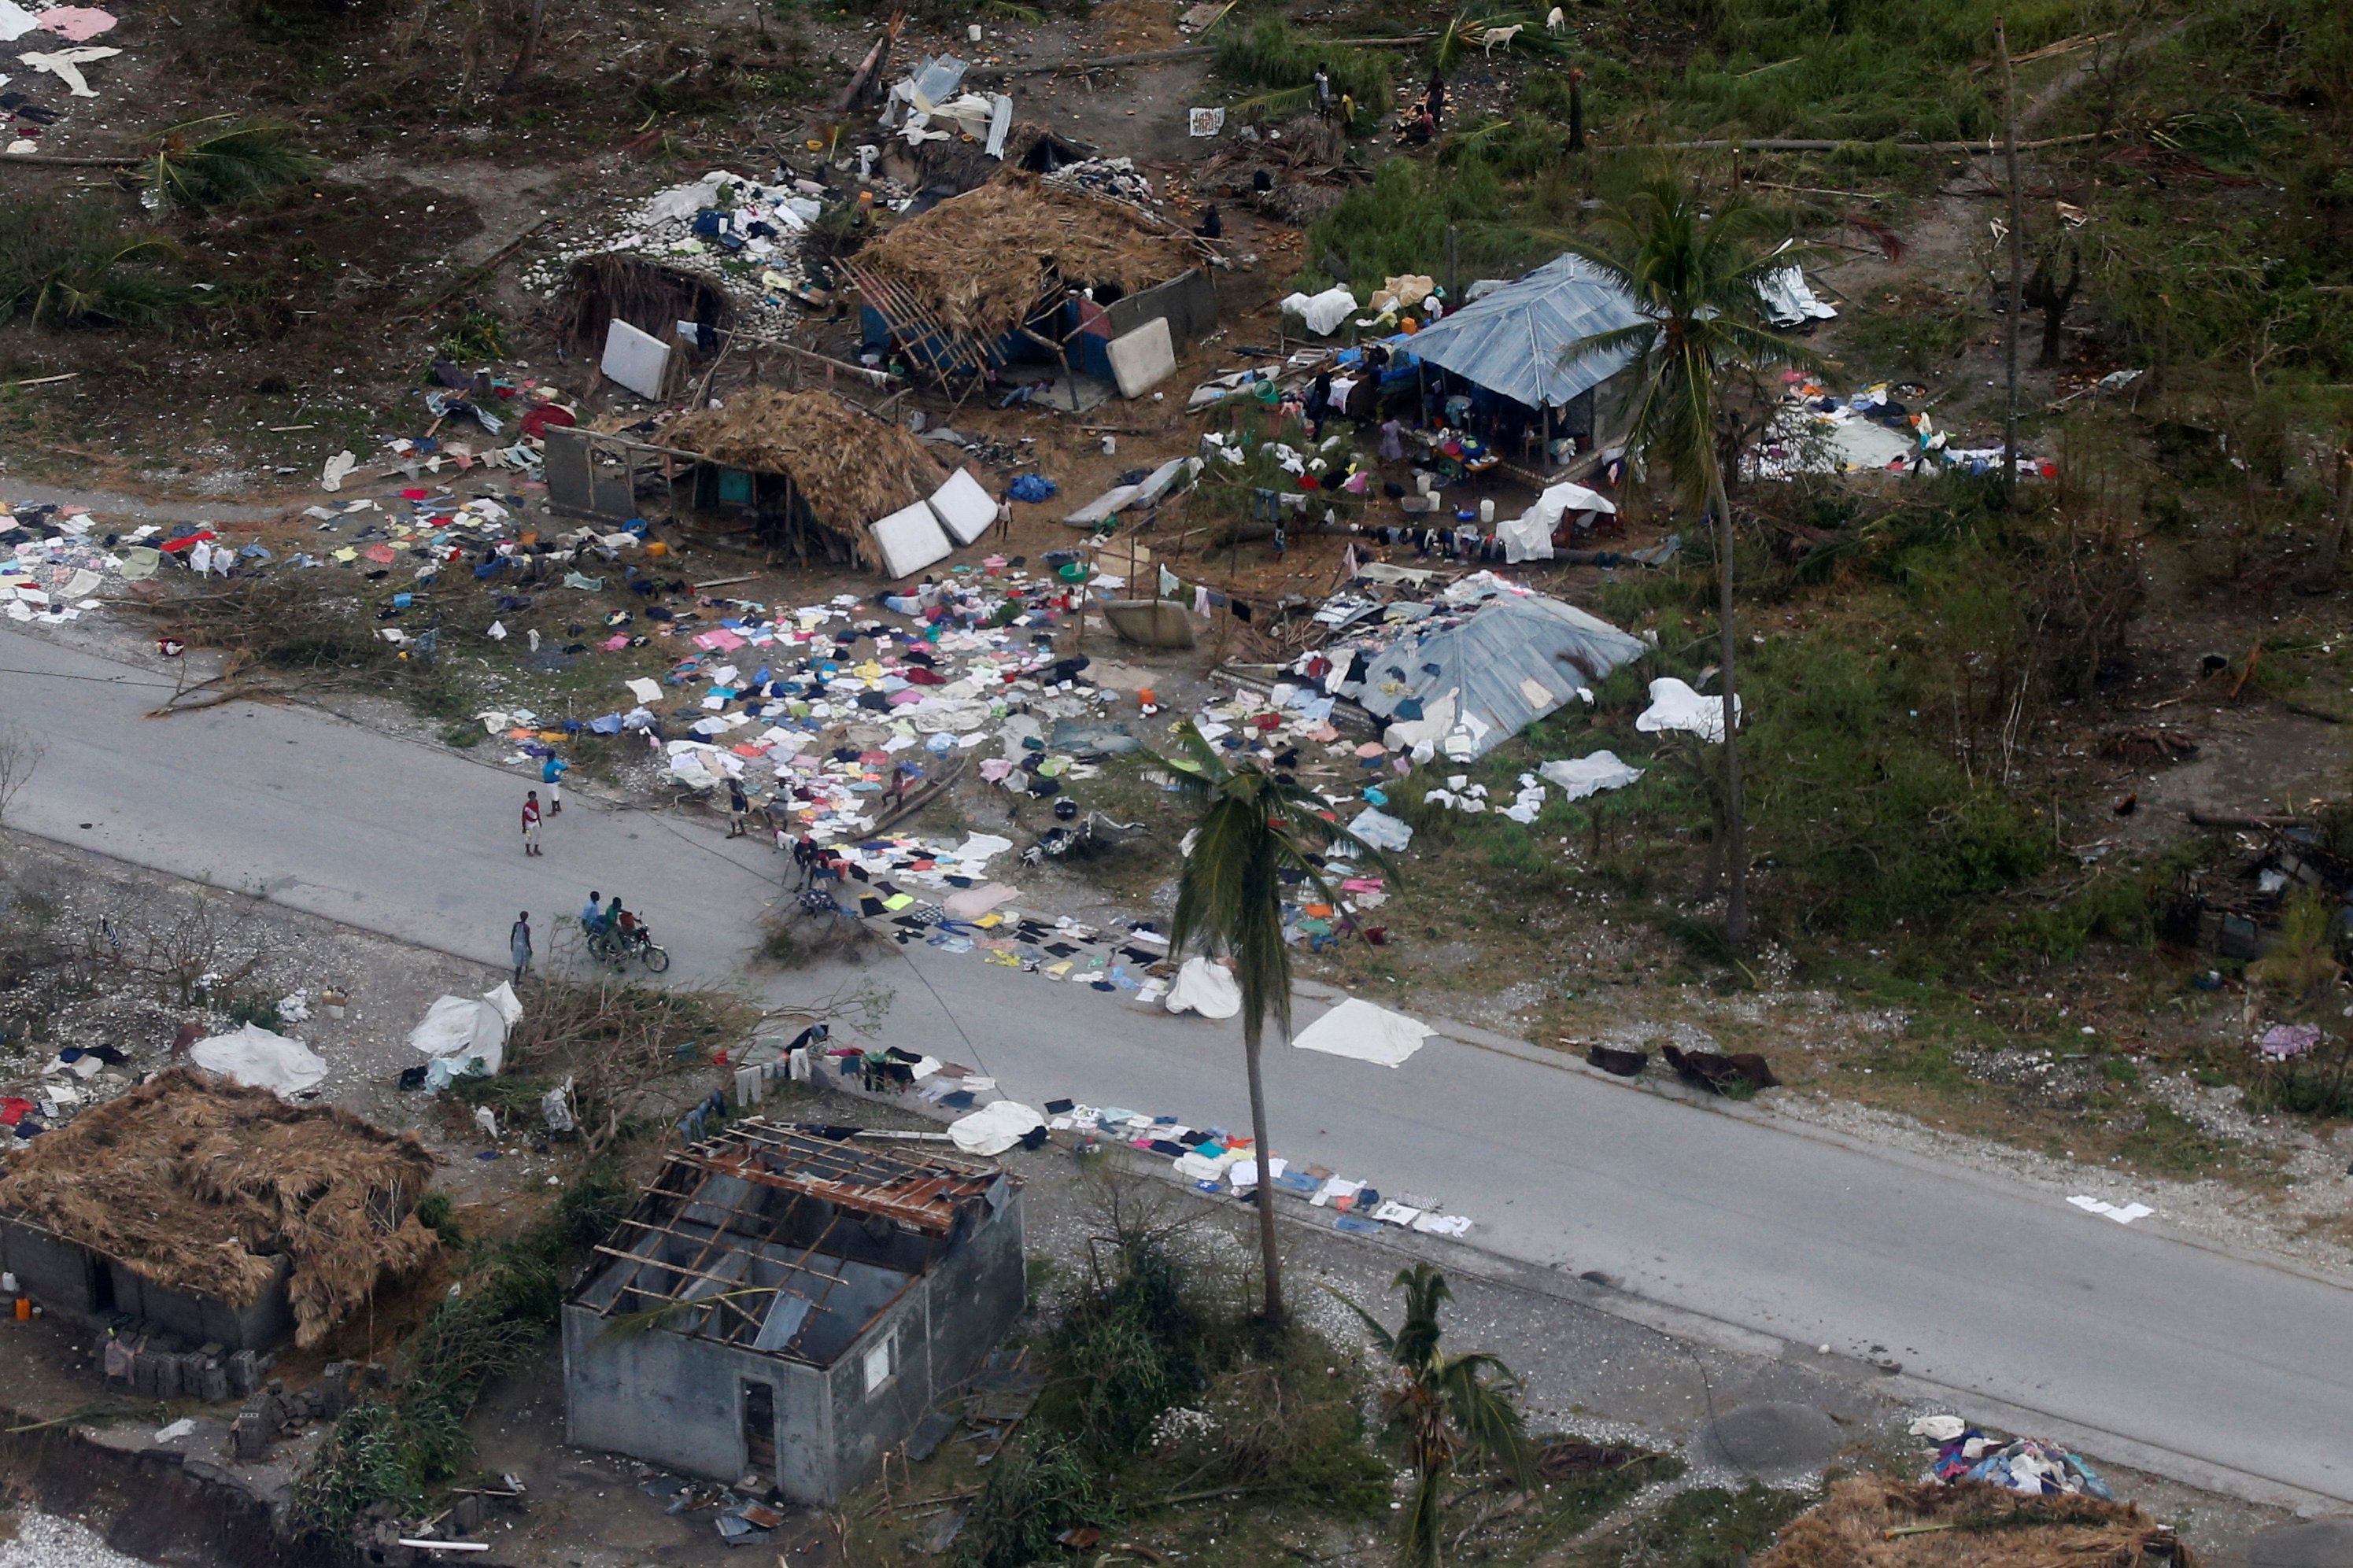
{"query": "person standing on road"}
(805, 856)
(737, 804)
(531, 823)
(519, 944)
(551, 774)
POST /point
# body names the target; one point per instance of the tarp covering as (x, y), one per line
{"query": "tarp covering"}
(1514, 340)
(1493, 671)
(1359, 1030)
(468, 1028)
(257, 1058)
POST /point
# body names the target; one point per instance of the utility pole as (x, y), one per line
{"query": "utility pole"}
(2017, 258)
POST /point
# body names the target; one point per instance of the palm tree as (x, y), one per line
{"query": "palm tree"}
(1449, 1408)
(1254, 826)
(1695, 273)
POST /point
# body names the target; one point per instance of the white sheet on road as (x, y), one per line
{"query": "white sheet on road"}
(1206, 987)
(995, 1128)
(259, 1059)
(1360, 1031)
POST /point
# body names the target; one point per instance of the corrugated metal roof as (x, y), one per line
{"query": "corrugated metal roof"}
(1514, 340)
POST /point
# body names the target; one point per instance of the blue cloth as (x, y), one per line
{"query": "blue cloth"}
(1032, 487)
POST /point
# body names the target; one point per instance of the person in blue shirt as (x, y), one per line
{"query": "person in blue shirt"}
(592, 913)
(551, 774)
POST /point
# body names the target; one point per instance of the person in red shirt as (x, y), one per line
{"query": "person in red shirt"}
(531, 823)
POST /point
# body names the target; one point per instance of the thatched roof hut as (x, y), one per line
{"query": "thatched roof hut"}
(848, 468)
(199, 1185)
(1873, 1522)
(979, 264)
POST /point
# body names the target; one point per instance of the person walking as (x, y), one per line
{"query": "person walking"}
(551, 774)
(737, 804)
(531, 823)
(519, 944)
(805, 856)
(1004, 516)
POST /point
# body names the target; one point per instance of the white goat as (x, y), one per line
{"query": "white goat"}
(1556, 21)
(1492, 36)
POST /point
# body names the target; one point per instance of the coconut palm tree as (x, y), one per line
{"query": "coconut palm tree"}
(1694, 268)
(1254, 826)
(1449, 1408)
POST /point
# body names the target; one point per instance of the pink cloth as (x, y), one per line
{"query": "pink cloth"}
(615, 643)
(75, 23)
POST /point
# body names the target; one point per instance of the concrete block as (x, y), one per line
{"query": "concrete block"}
(243, 1373)
(212, 1381)
(167, 1373)
(248, 1435)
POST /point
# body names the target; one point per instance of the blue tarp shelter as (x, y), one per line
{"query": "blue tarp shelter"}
(1515, 342)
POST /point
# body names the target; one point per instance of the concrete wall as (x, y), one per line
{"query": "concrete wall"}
(943, 1330)
(268, 1321)
(676, 1401)
(76, 1283)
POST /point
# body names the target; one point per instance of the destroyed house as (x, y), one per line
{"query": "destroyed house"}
(215, 1212)
(1025, 270)
(787, 1304)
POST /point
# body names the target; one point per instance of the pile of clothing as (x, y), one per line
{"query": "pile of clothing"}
(2028, 1465)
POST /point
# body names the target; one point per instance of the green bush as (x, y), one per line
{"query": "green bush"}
(1036, 1490)
(1130, 1349)
(72, 264)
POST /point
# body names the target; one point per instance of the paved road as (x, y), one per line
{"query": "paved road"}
(2232, 1371)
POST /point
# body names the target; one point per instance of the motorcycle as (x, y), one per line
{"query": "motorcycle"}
(617, 948)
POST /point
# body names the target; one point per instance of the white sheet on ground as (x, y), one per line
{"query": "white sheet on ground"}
(1205, 988)
(468, 1028)
(1362, 1032)
(1382, 831)
(1323, 311)
(1581, 776)
(1675, 706)
(259, 1059)
(995, 1128)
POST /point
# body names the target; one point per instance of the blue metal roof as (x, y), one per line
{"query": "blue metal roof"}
(1514, 342)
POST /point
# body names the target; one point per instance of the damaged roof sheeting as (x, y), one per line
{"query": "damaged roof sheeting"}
(779, 1239)
(1467, 677)
(1518, 341)
(198, 1186)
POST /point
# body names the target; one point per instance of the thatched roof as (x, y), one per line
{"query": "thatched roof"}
(979, 262)
(196, 1185)
(851, 468)
(1972, 1524)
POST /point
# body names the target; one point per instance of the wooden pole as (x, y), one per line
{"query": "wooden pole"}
(2017, 258)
